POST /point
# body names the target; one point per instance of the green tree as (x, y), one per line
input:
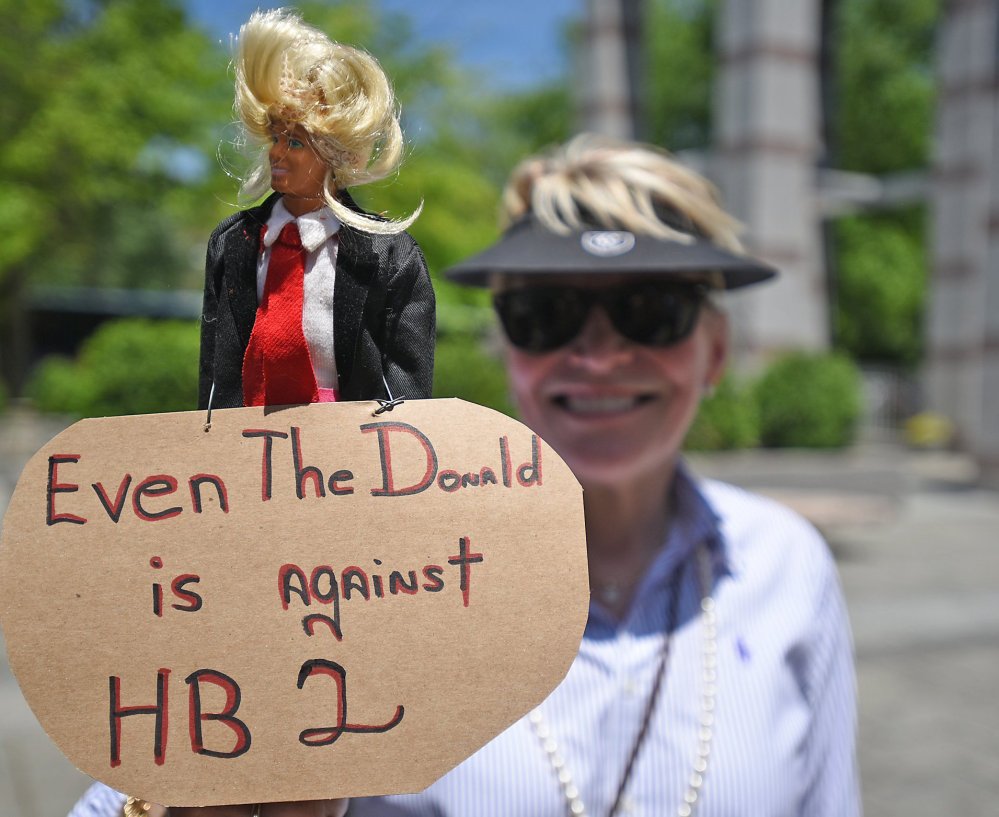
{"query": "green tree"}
(128, 366)
(118, 108)
(883, 124)
(881, 287)
(679, 69)
(885, 83)
(808, 400)
(113, 113)
(104, 103)
(679, 44)
(728, 418)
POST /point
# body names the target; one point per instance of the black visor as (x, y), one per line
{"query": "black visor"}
(528, 248)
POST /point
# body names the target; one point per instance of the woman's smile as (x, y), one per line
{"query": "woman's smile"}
(596, 405)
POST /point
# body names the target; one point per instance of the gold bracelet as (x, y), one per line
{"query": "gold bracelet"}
(136, 807)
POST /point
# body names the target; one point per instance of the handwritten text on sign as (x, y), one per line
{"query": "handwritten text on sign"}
(225, 585)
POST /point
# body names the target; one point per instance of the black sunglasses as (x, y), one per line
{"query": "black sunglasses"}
(654, 313)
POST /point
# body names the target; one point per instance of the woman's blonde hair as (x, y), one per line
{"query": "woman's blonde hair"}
(289, 73)
(595, 180)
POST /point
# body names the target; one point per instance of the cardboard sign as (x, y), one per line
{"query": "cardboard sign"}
(301, 603)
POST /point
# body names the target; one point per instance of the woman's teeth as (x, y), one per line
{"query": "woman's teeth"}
(599, 405)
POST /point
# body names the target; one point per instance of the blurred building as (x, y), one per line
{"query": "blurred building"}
(612, 68)
(768, 159)
(963, 362)
(767, 148)
(59, 319)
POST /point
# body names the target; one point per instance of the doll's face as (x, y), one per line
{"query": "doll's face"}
(297, 172)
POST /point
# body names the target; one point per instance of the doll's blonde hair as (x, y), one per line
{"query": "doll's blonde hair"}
(290, 73)
(598, 180)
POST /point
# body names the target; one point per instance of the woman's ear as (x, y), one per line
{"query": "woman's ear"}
(718, 343)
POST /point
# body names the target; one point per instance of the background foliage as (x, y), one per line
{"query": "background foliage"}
(882, 287)
(131, 366)
(727, 419)
(114, 111)
(110, 109)
(808, 401)
(885, 83)
(884, 93)
(679, 41)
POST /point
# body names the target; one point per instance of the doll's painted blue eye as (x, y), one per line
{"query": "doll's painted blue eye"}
(295, 143)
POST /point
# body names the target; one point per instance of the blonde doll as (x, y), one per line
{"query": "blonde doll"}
(307, 297)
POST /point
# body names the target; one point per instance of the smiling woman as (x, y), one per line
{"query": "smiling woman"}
(616, 404)
(715, 674)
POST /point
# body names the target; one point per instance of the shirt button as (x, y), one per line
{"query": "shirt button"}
(627, 806)
(629, 687)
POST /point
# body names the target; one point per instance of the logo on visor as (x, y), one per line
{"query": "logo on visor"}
(607, 243)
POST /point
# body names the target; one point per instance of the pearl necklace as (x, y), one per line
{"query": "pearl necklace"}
(705, 732)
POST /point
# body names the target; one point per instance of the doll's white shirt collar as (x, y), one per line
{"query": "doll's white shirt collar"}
(315, 228)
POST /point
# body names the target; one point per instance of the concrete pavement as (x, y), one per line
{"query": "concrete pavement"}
(917, 544)
(35, 779)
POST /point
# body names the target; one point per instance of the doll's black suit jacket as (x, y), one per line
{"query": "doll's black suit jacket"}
(384, 322)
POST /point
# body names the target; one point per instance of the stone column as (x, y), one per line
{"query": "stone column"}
(611, 61)
(962, 372)
(767, 133)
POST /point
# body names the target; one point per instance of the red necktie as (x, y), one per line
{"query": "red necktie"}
(277, 369)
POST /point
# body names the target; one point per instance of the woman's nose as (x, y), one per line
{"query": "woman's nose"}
(598, 342)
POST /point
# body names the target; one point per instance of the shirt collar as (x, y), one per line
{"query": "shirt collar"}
(694, 522)
(315, 228)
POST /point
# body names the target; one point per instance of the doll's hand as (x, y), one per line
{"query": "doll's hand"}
(307, 808)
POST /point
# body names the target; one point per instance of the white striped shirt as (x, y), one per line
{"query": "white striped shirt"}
(785, 710)
(785, 715)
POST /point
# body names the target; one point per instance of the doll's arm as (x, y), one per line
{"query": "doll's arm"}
(209, 318)
(408, 356)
